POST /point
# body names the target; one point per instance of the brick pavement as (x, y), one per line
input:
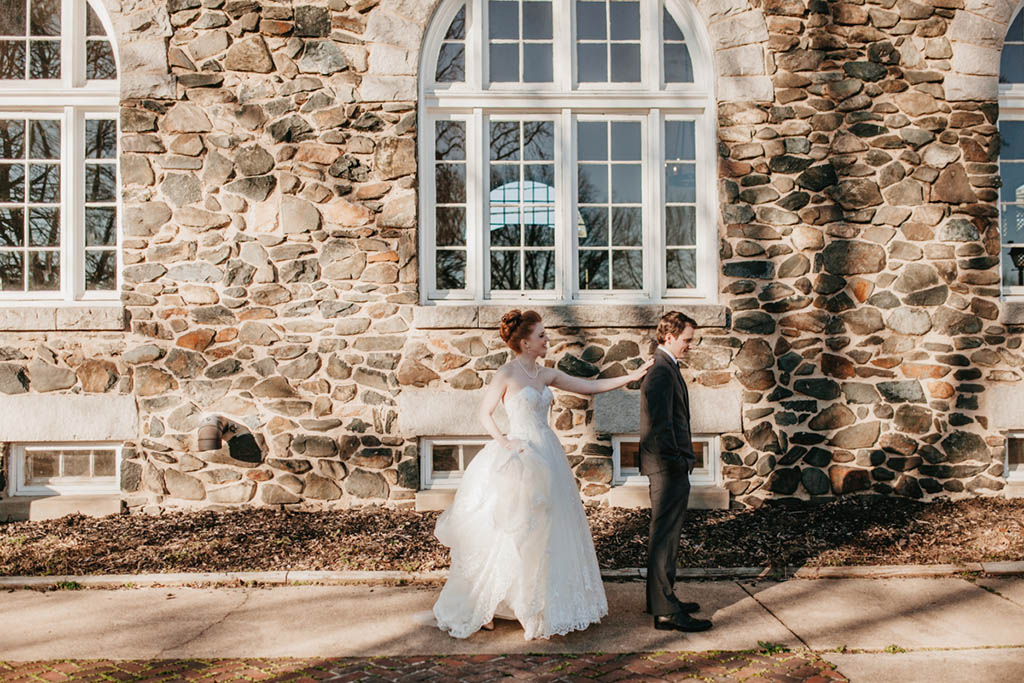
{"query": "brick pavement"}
(718, 667)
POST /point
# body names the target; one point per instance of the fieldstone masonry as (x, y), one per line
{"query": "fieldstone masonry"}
(270, 257)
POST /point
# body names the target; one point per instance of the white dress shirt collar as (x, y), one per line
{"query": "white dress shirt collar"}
(669, 354)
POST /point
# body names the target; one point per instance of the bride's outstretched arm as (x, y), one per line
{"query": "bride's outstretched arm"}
(578, 385)
(492, 397)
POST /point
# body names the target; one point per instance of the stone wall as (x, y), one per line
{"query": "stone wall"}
(269, 185)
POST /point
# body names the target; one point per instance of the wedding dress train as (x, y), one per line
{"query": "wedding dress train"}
(520, 544)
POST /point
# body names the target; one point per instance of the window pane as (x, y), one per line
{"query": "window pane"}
(627, 225)
(504, 183)
(505, 270)
(590, 21)
(12, 227)
(41, 466)
(12, 271)
(504, 62)
(446, 458)
(627, 269)
(457, 29)
(12, 182)
(1011, 63)
(540, 269)
(100, 180)
(1015, 456)
(626, 183)
(503, 19)
(45, 17)
(541, 233)
(629, 455)
(450, 182)
(93, 25)
(680, 226)
(538, 140)
(592, 62)
(681, 268)
(505, 229)
(77, 463)
(12, 139)
(594, 231)
(44, 183)
(99, 60)
(678, 66)
(100, 269)
(624, 18)
(1013, 266)
(504, 140)
(700, 449)
(625, 62)
(100, 226)
(593, 269)
(680, 143)
(593, 183)
(104, 463)
(451, 269)
(592, 139)
(539, 183)
(1013, 182)
(537, 63)
(451, 226)
(537, 20)
(44, 270)
(45, 59)
(44, 140)
(13, 12)
(44, 227)
(100, 139)
(451, 63)
(671, 28)
(680, 183)
(450, 140)
(12, 59)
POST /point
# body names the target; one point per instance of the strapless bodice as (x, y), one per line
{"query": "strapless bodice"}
(527, 409)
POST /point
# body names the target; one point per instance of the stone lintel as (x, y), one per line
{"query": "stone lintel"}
(1013, 313)
(745, 89)
(68, 417)
(488, 316)
(1002, 405)
(55, 317)
(712, 411)
(443, 412)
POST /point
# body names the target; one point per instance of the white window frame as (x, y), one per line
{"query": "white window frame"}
(565, 101)
(1012, 476)
(104, 486)
(711, 475)
(71, 99)
(452, 481)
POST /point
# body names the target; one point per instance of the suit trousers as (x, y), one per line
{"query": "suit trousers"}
(670, 491)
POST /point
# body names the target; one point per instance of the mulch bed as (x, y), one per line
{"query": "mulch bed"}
(848, 531)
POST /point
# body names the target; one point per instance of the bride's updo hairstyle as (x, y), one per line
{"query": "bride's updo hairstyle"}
(516, 326)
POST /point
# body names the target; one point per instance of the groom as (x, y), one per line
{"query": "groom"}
(667, 458)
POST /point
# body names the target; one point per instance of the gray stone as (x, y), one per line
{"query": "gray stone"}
(835, 416)
(824, 389)
(859, 392)
(862, 435)
(146, 353)
(184, 364)
(272, 494)
(46, 377)
(853, 257)
(322, 57)
(224, 368)
(302, 368)
(755, 354)
(273, 387)
(181, 188)
(195, 271)
(815, 481)
(934, 296)
(754, 322)
(960, 446)
(953, 186)
(395, 157)
(321, 488)
(902, 391)
(913, 419)
(314, 446)
(13, 379)
(242, 492)
(253, 160)
(858, 193)
(298, 215)
(785, 480)
(909, 321)
(846, 479)
(258, 334)
(311, 21)
(186, 117)
(572, 365)
(256, 188)
(363, 484)
(182, 486)
(958, 230)
(250, 54)
(916, 276)
(951, 322)
(864, 320)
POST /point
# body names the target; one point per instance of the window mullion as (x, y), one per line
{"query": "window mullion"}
(569, 267)
(707, 214)
(478, 238)
(479, 57)
(563, 50)
(652, 75)
(654, 214)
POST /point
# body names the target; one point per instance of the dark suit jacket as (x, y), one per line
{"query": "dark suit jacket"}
(665, 441)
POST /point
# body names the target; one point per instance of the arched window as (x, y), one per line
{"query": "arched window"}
(58, 152)
(1011, 158)
(567, 152)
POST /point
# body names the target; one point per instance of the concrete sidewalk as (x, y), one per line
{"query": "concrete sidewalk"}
(952, 629)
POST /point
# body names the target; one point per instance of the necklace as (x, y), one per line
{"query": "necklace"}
(533, 376)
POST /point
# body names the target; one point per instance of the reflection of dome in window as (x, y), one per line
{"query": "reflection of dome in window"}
(528, 192)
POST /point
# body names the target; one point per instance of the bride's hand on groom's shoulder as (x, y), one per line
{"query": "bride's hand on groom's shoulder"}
(642, 370)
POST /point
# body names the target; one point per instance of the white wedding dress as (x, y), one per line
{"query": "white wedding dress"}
(520, 544)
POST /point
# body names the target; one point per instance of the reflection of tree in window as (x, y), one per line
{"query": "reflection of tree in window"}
(451, 59)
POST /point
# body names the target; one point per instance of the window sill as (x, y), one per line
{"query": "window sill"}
(37, 508)
(40, 317)
(488, 316)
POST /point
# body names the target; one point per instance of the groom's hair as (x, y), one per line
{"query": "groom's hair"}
(673, 323)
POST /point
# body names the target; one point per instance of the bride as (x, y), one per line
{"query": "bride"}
(520, 545)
